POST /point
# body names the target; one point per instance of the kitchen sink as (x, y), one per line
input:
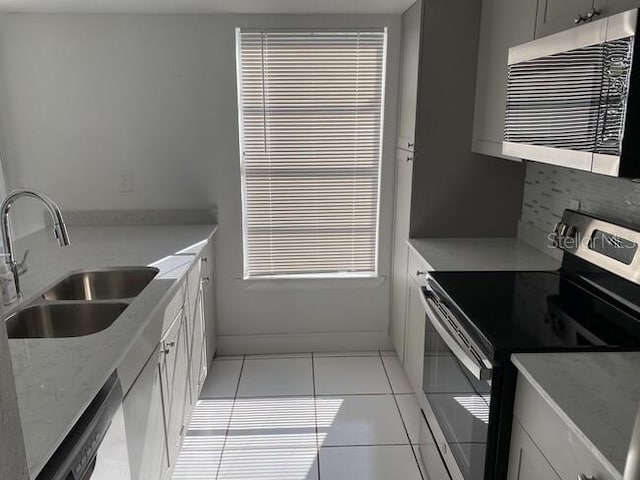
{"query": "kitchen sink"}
(63, 320)
(104, 284)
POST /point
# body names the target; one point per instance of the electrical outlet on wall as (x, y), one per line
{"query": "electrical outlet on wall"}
(125, 181)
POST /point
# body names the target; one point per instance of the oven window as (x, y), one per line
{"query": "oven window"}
(460, 403)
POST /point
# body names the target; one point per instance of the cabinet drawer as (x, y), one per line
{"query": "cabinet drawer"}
(566, 452)
(418, 268)
(173, 308)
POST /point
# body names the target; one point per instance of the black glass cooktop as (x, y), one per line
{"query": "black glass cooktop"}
(540, 311)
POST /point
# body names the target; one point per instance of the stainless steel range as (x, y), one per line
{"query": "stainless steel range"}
(476, 320)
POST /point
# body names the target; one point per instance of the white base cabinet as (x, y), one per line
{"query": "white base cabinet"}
(159, 404)
(144, 423)
(544, 446)
(174, 375)
(414, 335)
(526, 461)
(208, 283)
(413, 324)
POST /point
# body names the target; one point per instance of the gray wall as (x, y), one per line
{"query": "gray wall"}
(90, 97)
(549, 190)
(456, 193)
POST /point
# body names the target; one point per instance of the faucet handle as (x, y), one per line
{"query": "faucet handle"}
(21, 266)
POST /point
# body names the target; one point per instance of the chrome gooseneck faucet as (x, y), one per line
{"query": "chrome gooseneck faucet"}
(59, 228)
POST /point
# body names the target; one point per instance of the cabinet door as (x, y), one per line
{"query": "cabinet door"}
(404, 172)
(144, 424)
(414, 340)
(558, 15)
(198, 355)
(194, 333)
(526, 462)
(193, 287)
(504, 24)
(174, 370)
(611, 7)
(409, 76)
(209, 300)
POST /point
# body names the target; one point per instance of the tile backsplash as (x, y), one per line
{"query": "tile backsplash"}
(549, 190)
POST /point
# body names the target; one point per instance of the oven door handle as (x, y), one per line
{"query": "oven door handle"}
(479, 369)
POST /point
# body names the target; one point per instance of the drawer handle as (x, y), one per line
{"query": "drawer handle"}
(582, 476)
(421, 273)
(206, 280)
(409, 159)
(410, 144)
(205, 259)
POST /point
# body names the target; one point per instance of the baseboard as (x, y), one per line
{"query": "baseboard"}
(312, 342)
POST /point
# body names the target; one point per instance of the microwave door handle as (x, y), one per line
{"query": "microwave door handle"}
(479, 371)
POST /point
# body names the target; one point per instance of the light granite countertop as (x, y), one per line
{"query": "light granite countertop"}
(596, 394)
(57, 378)
(481, 254)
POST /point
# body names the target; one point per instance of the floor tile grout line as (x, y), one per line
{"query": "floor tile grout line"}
(319, 395)
(315, 413)
(404, 425)
(370, 355)
(386, 374)
(233, 406)
(368, 445)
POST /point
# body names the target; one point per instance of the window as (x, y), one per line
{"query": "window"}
(310, 108)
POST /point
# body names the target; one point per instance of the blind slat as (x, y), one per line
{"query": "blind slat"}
(311, 119)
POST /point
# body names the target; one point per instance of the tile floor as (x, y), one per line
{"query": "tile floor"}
(348, 416)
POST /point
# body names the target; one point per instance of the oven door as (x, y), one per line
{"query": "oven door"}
(457, 385)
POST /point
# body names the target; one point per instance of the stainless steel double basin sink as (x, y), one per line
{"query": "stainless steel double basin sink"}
(81, 303)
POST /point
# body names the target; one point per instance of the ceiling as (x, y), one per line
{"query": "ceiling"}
(208, 6)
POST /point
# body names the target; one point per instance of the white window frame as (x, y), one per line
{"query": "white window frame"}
(374, 274)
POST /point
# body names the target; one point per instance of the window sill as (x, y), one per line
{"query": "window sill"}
(337, 283)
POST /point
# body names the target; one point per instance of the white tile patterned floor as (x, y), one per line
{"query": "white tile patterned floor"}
(303, 417)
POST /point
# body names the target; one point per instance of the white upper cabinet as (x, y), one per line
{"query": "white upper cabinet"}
(558, 15)
(504, 24)
(611, 7)
(409, 77)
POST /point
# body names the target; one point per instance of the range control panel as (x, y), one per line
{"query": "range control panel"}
(605, 244)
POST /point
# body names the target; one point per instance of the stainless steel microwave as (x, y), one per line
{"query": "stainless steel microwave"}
(573, 98)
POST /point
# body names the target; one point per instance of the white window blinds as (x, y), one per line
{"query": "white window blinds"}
(310, 107)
